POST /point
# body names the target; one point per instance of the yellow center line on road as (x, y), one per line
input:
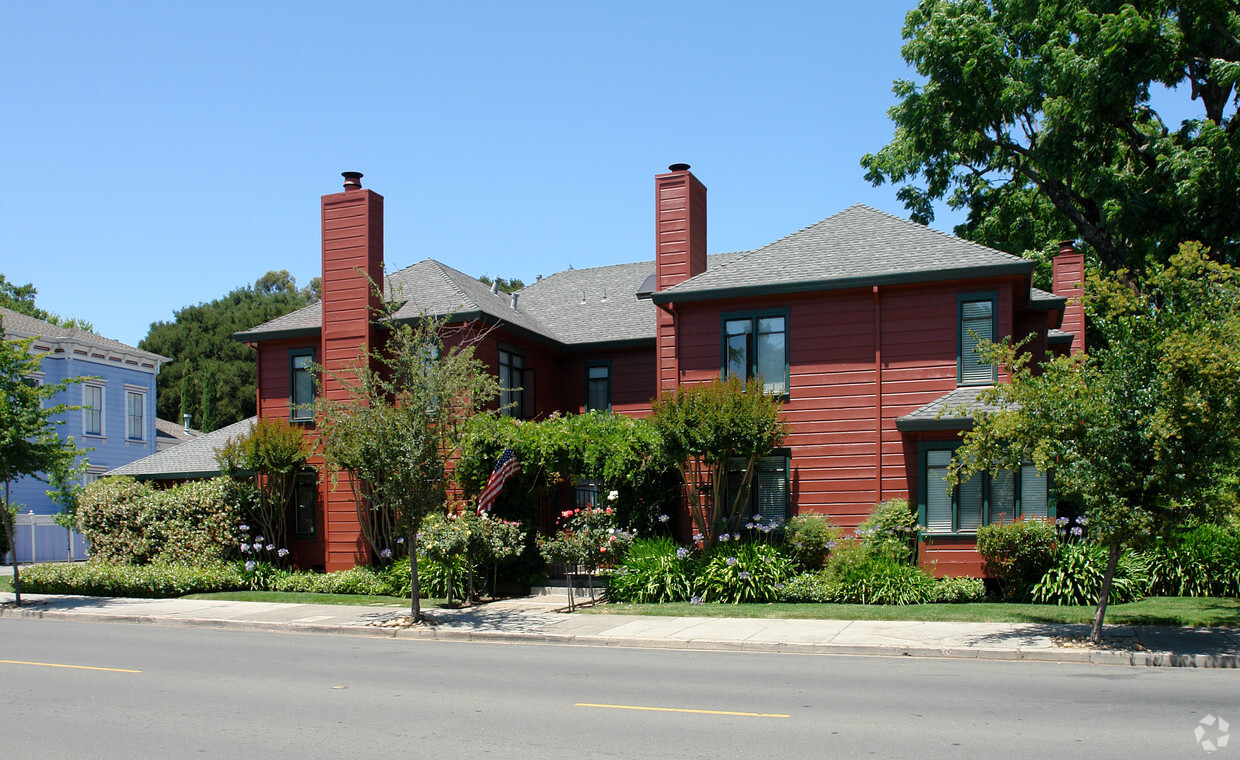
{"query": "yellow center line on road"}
(58, 665)
(684, 710)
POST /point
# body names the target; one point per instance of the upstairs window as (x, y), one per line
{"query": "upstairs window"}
(92, 410)
(984, 499)
(301, 385)
(756, 346)
(976, 321)
(598, 387)
(516, 382)
(135, 416)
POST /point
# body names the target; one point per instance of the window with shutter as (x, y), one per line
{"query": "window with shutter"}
(1003, 497)
(986, 498)
(977, 323)
(938, 498)
(770, 496)
(1033, 492)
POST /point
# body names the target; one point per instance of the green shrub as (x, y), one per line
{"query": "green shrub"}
(654, 570)
(825, 587)
(158, 580)
(741, 572)
(809, 538)
(128, 521)
(1204, 561)
(1017, 554)
(957, 591)
(867, 574)
(358, 580)
(1076, 576)
(891, 531)
(433, 578)
(819, 587)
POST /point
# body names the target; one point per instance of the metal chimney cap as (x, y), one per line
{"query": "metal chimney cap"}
(678, 168)
(352, 180)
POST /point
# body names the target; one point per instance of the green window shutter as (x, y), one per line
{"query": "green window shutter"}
(1003, 496)
(976, 324)
(969, 504)
(938, 500)
(772, 478)
(1032, 492)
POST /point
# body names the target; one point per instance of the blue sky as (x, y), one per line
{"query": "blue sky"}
(162, 154)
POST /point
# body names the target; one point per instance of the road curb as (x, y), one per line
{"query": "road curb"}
(436, 633)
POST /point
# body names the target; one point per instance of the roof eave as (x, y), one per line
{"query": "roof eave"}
(254, 336)
(919, 425)
(844, 283)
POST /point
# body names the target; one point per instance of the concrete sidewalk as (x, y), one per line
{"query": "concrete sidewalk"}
(535, 621)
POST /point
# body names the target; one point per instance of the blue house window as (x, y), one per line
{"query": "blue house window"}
(135, 416)
(92, 410)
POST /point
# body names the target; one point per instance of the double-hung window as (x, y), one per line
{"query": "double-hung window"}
(983, 499)
(976, 323)
(767, 494)
(301, 385)
(305, 506)
(516, 385)
(756, 346)
(135, 415)
(92, 410)
(598, 386)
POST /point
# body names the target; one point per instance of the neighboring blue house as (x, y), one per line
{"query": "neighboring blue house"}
(116, 419)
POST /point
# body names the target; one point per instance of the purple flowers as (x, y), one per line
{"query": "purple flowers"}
(258, 546)
(1061, 522)
(682, 553)
(725, 538)
(664, 518)
(386, 554)
(271, 547)
(731, 561)
(695, 600)
(1082, 520)
(249, 566)
(743, 575)
(245, 548)
(283, 553)
(698, 537)
(245, 528)
(1076, 530)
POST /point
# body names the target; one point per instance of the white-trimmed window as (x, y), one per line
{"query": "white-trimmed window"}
(135, 415)
(92, 409)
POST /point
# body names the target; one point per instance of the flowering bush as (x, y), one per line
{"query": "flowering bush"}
(587, 537)
(654, 570)
(891, 530)
(810, 538)
(1076, 575)
(742, 572)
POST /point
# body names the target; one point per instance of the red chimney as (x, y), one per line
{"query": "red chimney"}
(352, 261)
(680, 253)
(1067, 280)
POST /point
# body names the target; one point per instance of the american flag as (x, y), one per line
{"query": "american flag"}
(505, 468)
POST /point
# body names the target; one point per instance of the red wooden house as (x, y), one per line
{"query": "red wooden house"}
(864, 322)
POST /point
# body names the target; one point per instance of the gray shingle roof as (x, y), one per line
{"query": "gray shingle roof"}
(20, 324)
(436, 289)
(859, 246)
(193, 459)
(952, 411)
(1040, 299)
(169, 429)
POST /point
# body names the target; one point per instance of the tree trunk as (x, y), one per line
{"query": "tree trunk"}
(6, 518)
(1095, 635)
(415, 603)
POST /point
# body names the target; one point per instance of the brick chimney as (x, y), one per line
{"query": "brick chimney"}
(352, 260)
(1067, 280)
(680, 253)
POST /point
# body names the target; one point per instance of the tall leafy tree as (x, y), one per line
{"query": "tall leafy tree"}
(29, 443)
(1042, 119)
(20, 298)
(1144, 430)
(212, 377)
(402, 422)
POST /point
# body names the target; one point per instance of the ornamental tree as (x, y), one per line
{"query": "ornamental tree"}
(401, 424)
(29, 443)
(1144, 430)
(273, 452)
(1042, 119)
(704, 428)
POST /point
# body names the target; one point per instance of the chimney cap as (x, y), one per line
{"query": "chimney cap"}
(352, 180)
(678, 168)
(1067, 246)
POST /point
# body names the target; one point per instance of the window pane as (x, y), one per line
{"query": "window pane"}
(1003, 496)
(305, 508)
(771, 362)
(976, 325)
(938, 500)
(598, 372)
(738, 356)
(738, 326)
(1032, 492)
(773, 488)
(93, 409)
(969, 499)
(771, 324)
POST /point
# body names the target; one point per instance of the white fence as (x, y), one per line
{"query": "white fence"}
(37, 538)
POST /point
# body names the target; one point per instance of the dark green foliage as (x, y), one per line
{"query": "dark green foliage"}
(1204, 561)
(129, 522)
(213, 377)
(865, 576)
(891, 531)
(1036, 116)
(1076, 576)
(434, 578)
(884, 588)
(154, 581)
(957, 591)
(1017, 555)
(20, 298)
(809, 538)
(654, 570)
(359, 580)
(742, 572)
(505, 286)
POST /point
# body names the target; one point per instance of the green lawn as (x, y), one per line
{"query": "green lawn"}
(6, 583)
(1149, 611)
(309, 598)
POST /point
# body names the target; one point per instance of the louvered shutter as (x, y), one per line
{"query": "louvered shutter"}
(1003, 496)
(976, 324)
(773, 488)
(938, 500)
(1032, 492)
(969, 504)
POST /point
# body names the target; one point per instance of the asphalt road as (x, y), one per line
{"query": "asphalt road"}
(218, 693)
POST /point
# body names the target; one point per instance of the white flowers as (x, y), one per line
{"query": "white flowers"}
(613, 496)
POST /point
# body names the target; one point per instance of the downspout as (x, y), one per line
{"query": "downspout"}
(878, 400)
